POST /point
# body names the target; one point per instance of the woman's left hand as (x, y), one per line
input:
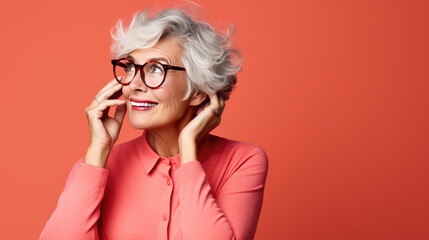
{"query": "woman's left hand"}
(207, 118)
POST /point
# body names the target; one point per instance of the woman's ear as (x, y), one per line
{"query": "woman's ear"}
(198, 97)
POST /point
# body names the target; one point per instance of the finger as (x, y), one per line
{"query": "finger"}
(109, 103)
(107, 93)
(99, 110)
(214, 102)
(120, 112)
(222, 104)
(108, 86)
(203, 106)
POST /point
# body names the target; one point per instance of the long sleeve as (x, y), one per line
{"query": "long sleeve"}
(78, 208)
(235, 212)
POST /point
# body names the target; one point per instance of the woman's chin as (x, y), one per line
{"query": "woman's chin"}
(139, 124)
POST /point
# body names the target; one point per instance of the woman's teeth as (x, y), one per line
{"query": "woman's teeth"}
(143, 104)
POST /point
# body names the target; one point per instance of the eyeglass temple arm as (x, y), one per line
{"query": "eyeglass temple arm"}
(175, 68)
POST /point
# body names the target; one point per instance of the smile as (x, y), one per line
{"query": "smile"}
(142, 105)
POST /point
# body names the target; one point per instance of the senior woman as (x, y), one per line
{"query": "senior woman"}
(175, 181)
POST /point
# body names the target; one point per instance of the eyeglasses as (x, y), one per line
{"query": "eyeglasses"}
(152, 72)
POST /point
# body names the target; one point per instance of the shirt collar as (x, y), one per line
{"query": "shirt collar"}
(149, 158)
(146, 155)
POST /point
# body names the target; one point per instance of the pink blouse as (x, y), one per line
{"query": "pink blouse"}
(141, 195)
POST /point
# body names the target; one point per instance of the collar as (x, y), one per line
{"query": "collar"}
(149, 158)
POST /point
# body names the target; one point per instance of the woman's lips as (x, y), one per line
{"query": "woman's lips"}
(142, 105)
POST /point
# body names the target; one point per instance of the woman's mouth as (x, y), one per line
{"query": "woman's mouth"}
(142, 105)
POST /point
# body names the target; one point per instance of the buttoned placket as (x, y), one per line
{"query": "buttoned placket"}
(165, 201)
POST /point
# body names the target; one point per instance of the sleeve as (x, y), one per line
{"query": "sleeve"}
(78, 208)
(235, 212)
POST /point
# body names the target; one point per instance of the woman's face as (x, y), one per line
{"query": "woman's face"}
(166, 104)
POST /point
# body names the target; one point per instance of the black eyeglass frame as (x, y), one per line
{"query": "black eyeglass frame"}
(140, 68)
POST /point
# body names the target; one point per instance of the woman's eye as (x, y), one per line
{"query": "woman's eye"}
(129, 67)
(156, 69)
(126, 66)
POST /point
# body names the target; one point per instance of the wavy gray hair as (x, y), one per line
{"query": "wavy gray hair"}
(207, 54)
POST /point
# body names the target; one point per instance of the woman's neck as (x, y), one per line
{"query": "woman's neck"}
(164, 142)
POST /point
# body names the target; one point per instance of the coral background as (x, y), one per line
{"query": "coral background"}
(336, 92)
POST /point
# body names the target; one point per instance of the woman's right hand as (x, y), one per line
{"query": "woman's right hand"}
(104, 130)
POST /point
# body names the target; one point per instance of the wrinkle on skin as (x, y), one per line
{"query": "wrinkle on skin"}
(167, 48)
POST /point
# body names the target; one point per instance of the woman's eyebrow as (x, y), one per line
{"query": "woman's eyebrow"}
(158, 59)
(130, 57)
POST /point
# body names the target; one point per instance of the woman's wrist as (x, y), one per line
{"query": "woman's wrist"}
(188, 150)
(97, 155)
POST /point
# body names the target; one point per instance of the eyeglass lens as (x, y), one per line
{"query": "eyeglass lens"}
(125, 71)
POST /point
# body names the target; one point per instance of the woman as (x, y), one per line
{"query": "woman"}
(175, 181)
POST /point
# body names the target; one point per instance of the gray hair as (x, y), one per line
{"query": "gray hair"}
(207, 54)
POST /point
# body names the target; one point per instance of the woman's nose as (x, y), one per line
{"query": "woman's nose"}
(137, 84)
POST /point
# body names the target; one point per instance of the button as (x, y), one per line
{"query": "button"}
(164, 218)
(168, 181)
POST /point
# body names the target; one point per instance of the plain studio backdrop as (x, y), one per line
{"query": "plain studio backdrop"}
(336, 92)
